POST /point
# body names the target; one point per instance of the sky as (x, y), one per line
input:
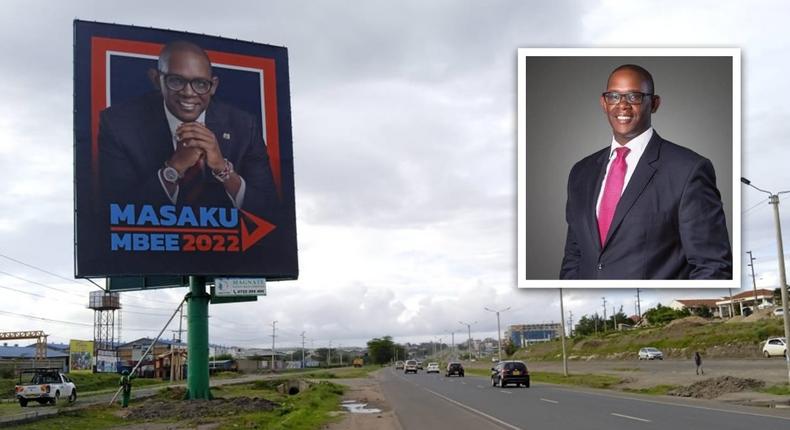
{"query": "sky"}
(404, 134)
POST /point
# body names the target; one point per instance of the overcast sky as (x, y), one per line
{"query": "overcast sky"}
(404, 145)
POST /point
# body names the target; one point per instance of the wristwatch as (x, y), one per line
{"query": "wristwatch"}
(224, 174)
(170, 174)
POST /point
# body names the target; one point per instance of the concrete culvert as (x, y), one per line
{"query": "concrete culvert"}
(293, 391)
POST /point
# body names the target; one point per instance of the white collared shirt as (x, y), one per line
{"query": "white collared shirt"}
(637, 146)
(174, 123)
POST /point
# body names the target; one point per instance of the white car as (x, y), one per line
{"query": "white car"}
(411, 366)
(775, 346)
(47, 385)
(779, 312)
(650, 353)
(432, 368)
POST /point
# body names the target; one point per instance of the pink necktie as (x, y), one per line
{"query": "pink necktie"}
(611, 192)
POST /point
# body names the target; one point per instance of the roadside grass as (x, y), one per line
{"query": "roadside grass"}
(658, 390)
(679, 340)
(582, 379)
(308, 410)
(86, 382)
(341, 372)
(780, 390)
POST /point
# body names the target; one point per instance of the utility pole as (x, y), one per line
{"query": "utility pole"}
(273, 336)
(498, 329)
(302, 350)
(329, 355)
(638, 307)
(604, 314)
(754, 280)
(774, 200)
(340, 353)
(570, 323)
(562, 334)
(452, 348)
(469, 332)
(614, 319)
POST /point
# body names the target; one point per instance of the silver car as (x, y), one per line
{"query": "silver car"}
(650, 353)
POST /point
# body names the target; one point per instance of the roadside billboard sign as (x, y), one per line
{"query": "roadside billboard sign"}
(183, 157)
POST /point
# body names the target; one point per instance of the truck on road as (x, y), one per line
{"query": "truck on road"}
(44, 385)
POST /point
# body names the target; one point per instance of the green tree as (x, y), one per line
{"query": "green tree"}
(383, 350)
(510, 348)
(663, 314)
(588, 325)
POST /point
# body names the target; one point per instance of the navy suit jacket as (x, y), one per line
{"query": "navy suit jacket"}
(668, 224)
(135, 141)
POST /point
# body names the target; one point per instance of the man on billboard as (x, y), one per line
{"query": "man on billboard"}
(177, 146)
(643, 207)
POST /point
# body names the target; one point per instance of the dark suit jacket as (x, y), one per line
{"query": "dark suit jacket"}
(135, 141)
(669, 222)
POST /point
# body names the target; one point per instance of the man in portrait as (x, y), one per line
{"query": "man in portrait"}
(643, 207)
(179, 146)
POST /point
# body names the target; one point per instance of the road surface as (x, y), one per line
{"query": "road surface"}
(436, 402)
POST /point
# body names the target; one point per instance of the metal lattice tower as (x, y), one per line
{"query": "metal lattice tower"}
(104, 305)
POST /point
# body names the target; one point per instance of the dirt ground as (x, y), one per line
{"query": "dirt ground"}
(365, 390)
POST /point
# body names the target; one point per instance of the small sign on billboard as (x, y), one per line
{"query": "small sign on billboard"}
(225, 287)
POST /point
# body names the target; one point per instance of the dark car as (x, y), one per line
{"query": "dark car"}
(454, 368)
(510, 372)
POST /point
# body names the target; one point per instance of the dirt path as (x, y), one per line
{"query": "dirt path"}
(365, 390)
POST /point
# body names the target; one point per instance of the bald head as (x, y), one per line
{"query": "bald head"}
(181, 47)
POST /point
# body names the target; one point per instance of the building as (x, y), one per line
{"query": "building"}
(523, 334)
(745, 299)
(695, 306)
(130, 353)
(24, 357)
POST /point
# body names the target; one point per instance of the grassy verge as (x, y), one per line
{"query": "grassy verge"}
(780, 390)
(584, 379)
(342, 372)
(310, 409)
(658, 390)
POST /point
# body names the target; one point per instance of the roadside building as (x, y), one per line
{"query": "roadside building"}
(522, 335)
(697, 306)
(765, 298)
(15, 357)
(130, 353)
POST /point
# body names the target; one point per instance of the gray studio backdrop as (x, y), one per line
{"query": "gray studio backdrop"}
(565, 123)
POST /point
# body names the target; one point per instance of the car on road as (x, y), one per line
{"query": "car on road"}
(432, 368)
(399, 365)
(411, 366)
(510, 372)
(419, 365)
(44, 385)
(650, 353)
(775, 346)
(779, 312)
(454, 368)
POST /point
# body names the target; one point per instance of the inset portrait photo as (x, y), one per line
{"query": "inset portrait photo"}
(628, 168)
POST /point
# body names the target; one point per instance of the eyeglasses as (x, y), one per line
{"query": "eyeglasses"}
(177, 83)
(634, 98)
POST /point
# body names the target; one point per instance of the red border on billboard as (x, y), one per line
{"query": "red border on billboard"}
(100, 46)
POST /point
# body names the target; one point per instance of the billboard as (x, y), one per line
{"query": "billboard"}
(80, 355)
(183, 156)
(106, 361)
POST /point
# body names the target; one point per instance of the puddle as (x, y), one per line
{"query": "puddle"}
(358, 408)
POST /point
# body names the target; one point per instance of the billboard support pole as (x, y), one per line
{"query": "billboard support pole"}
(197, 340)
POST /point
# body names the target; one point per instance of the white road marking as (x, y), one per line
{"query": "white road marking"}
(658, 402)
(631, 418)
(480, 386)
(471, 409)
(506, 392)
(463, 382)
(550, 401)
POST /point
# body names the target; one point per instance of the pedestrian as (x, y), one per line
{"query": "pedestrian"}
(698, 363)
(126, 384)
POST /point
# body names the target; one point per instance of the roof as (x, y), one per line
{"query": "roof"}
(747, 295)
(690, 303)
(148, 340)
(28, 352)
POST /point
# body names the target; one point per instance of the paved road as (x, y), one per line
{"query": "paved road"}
(435, 402)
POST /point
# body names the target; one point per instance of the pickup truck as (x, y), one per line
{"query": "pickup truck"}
(44, 385)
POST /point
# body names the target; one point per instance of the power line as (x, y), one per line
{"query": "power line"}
(44, 270)
(14, 314)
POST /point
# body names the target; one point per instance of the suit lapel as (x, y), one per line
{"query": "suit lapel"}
(641, 177)
(156, 140)
(592, 192)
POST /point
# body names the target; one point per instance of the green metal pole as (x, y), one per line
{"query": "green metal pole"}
(197, 340)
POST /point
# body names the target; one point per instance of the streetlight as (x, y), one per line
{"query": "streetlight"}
(469, 332)
(498, 330)
(773, 199)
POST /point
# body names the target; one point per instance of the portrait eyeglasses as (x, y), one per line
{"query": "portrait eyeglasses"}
(177, 83)
(633, 98)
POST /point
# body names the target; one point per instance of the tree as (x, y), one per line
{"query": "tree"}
(704, 312)
(510, 348)
(662, 314)
(383, 350)
(588, 325)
